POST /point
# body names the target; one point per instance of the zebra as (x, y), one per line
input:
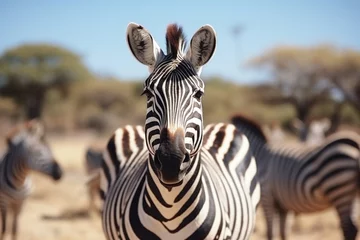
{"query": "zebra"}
(306, 179)
(27, 150)
(174, 179)
(317, 131)
(313, 131)
(93, 158)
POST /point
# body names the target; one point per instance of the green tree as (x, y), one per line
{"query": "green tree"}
(295, 78)
(307, 76)
(27, 72)
(342, 68)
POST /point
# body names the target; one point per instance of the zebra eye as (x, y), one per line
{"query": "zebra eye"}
(147, 93)
(198, 94)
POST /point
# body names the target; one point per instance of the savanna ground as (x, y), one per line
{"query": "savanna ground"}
(58, 211)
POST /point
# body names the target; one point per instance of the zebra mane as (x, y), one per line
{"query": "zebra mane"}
(33, 126)
(175, 40)
(246, 123)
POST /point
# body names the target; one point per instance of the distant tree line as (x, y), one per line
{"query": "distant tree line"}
(307, 76)
(51, 82)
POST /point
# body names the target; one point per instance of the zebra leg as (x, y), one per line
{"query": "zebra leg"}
(91, 198)
(93, 191)
(269, 212)
(3, 222)
(282, 218)
(16, 211)
(255, 229)
(346, 221)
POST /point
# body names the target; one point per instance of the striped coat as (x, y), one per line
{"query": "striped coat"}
(175, 179)
(27, 150)
(220, 197)
(306, 179)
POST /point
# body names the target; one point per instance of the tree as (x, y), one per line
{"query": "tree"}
(296, 77)
(27, 72)
(344, 72)
(306, 76)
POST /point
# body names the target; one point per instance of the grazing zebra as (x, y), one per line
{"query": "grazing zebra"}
(317, 131)
(306, 179)
(312, 132)
(174, 179)
(93, 158)
(27, 150)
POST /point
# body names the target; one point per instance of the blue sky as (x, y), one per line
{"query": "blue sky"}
(96, 29)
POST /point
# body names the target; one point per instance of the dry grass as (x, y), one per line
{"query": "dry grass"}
(59, 211)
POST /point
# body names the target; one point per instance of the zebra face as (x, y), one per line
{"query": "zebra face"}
(40, 157)
(30, 145)
(174, 124)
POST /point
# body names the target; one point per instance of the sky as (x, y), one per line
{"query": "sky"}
(96, 29)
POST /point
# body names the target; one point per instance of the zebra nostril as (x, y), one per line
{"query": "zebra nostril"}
(157, 162)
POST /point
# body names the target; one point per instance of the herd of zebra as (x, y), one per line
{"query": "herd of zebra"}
(175, 178)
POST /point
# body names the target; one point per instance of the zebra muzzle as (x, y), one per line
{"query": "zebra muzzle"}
(171, 168)
(56, 171)
(171, 160)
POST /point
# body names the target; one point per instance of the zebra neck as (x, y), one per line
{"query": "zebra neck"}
(170, 206)
(15, 175)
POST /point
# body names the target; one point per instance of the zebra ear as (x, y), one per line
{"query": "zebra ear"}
(36, 128)
(13, 136)
(202, 47)
(143, 46)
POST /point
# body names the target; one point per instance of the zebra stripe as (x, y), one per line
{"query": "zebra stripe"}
(165, 84)
(220, 195)
(306, 179)
(27, 151)
(172, 179)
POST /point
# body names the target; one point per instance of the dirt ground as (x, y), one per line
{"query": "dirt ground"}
(58, 211)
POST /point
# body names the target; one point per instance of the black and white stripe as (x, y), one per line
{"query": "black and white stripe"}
(216, 201)
(171, 103)
(173, 179)
(27, 150)
(306, 179)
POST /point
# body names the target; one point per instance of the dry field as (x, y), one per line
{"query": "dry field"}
(58, 211)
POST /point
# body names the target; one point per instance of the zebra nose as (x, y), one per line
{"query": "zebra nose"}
(157, 162)
(56, 171)
(185, 163)
(170, 166)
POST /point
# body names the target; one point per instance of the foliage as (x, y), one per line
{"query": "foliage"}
(88, 106)
(27, 72)
(108, 103)
(307, 76)
(42, 75)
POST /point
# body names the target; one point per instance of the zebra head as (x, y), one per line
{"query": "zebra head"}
(174, 122)
(29, 146)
